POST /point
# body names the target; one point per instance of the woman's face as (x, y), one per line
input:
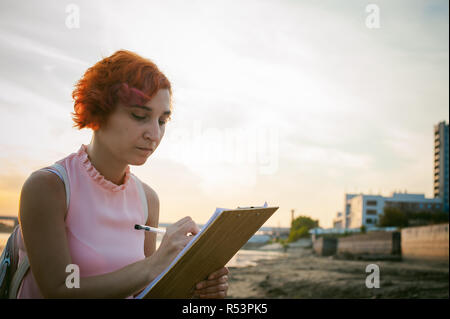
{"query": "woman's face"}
(132, 133)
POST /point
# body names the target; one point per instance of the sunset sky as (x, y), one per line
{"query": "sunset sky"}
(290, 102)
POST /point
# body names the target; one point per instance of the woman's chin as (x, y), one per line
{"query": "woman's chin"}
(138, 160)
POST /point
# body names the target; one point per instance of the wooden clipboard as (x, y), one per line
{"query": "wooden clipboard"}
(215, 246)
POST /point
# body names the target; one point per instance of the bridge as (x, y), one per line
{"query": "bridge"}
(269, 231)
(274, 231)
(15, 219)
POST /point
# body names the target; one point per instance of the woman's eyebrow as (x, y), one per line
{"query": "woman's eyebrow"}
(150, 109)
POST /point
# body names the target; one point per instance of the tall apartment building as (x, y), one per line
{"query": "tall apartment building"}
(441, 146)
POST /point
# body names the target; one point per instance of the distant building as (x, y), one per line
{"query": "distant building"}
(338, 221)
(366, 210)
(441, 146)
(342, 220)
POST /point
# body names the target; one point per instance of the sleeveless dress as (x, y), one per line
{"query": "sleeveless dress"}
(99, 222)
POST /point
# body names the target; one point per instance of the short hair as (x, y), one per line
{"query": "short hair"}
(123, 76)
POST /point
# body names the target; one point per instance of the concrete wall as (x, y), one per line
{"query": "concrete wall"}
(325, 246)
(425, 242)
(372, 243)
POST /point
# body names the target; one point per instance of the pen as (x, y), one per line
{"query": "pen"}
(148, 228)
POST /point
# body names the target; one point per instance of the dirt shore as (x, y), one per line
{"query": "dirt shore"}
(301, 274)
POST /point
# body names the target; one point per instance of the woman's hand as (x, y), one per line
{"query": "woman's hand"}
(216, 286)
(174, 240)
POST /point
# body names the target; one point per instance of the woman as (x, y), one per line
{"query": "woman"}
(126, 100)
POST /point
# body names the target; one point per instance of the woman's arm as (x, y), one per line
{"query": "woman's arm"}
(152, 219)
(41, 214)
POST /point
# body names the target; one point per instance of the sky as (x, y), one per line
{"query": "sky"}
(291, 102)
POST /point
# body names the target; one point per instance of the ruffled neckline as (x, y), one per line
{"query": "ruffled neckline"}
(96, 176)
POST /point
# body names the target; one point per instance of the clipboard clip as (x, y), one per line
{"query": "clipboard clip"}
(263, 206)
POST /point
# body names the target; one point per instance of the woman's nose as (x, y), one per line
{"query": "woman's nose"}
(152, 132)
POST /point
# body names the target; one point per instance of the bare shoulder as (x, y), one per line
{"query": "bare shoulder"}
(42, 189)
(153, 205)
(44, 183)
(150, 193)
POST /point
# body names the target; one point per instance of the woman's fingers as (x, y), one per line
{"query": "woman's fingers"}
(176, 237)
(216, 295)
(177, 234)
(185, 225)
(216, 291)
(213, 289)
(216, 287)
(219, 273)
(189, 227)
(212, 282)
(182, 221)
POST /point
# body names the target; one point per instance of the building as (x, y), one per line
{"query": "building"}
(338, 222)
(342, 220)
(365, 210)
(441, 146)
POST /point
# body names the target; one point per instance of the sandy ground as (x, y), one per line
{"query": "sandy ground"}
(300, 274)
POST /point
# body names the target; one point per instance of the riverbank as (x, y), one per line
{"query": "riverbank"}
(299, 273)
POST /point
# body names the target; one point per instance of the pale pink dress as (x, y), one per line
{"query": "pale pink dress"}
(99, 223)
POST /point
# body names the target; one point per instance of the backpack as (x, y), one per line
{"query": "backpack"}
(12, 273)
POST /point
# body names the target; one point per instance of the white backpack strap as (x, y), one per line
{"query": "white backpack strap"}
(143, 197)
(62, 171)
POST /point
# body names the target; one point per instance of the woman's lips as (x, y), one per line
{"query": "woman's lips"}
(145, 149)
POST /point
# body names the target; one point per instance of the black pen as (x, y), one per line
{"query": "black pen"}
(148, 228)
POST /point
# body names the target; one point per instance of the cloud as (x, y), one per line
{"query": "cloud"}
(325, 157)
(20, 43)
(353, 106)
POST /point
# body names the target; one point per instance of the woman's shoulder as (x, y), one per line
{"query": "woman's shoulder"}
(43, 179)
(153, 205)
(42, 189)
(150, 193)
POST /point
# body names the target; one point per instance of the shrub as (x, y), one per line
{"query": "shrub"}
(300, 228)
(393, 217)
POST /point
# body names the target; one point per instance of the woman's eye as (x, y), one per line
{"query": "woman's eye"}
(138, 117)
(162, 122)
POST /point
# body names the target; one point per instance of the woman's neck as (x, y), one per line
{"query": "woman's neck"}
(106, 163)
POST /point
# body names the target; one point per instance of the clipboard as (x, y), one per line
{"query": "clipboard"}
(218, 241)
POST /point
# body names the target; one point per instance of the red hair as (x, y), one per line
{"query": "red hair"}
(123, 76)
